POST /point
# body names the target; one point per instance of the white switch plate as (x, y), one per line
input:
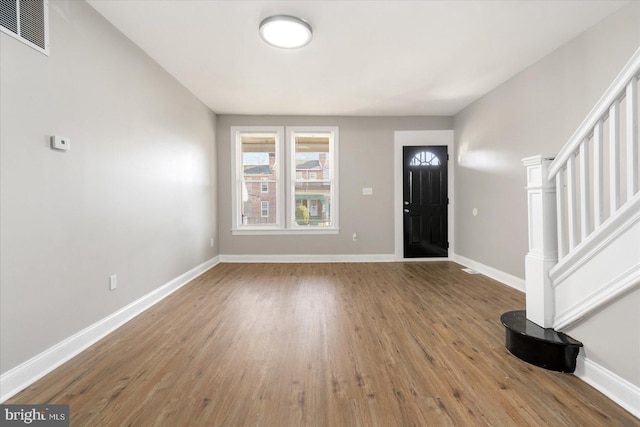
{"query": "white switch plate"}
(367, 191)
(113, 282)
(60, 143)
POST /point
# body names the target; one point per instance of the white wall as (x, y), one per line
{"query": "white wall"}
(134, 196)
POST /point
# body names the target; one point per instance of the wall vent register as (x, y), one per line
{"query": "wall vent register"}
(27, 21)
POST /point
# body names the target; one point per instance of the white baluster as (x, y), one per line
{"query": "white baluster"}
(632, 138)
(572, 223)
(585, 190)
(562, 211)
(614, 157)
(598, 178)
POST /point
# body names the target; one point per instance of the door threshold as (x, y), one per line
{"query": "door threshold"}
(425, 259)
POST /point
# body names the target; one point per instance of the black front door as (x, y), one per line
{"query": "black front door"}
(425, 202)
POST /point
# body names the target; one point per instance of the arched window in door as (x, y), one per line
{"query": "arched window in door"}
(425, 158)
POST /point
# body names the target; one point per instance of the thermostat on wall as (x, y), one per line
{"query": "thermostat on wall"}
(60, 143)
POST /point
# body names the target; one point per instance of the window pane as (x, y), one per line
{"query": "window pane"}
(259, 169)
(313, 204)
(312, 190)
(312, 156)
(425, 158)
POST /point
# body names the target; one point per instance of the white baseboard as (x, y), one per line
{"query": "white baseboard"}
(611, 385)
(18, 378)
(299, 258)
(500, 276)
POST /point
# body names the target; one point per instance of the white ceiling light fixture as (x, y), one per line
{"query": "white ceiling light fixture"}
(286, 32)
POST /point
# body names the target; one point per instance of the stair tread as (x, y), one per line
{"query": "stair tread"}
(516, 321)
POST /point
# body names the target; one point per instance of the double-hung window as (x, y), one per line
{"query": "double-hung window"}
(285, 180)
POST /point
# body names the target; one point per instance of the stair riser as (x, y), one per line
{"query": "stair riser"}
(545, 355)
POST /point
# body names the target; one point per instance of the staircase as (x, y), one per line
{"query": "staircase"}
(584, 228)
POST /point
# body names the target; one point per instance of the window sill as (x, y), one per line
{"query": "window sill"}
(280, 231)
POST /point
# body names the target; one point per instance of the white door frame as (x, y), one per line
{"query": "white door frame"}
(410, 138)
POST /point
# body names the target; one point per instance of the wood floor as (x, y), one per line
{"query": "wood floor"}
(278, 345)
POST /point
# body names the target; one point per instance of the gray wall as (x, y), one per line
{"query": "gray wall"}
(133, 197)
(533, 113)
(612, 337)
(365, 160)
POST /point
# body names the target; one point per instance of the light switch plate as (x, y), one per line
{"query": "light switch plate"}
(367, 191)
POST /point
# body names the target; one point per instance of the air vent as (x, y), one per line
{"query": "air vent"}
(27, 21)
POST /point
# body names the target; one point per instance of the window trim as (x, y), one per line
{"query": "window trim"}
(285, 181)
(236, 179)
(333, 179)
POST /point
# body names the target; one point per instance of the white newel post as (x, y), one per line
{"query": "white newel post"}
(543, 241)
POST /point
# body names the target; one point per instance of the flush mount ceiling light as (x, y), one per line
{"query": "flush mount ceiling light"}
(287, 32)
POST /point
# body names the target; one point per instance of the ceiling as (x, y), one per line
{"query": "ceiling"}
(366, 58)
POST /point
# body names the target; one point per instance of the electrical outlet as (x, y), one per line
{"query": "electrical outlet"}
(211, 242)
(355, 237)
(60, 143)
(113, 282)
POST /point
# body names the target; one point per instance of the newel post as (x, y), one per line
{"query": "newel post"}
(543, 241)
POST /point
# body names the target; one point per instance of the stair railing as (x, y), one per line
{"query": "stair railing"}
(581, 197)
(572, 195)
